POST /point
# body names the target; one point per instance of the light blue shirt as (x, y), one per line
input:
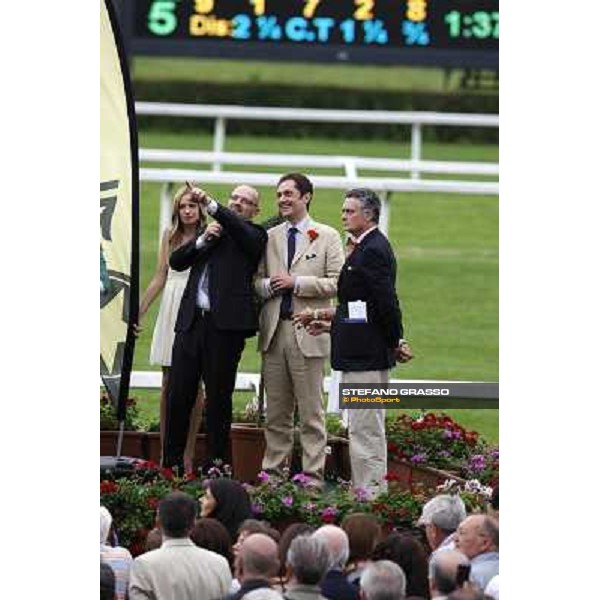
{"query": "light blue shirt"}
(202, 297)
(484, 567)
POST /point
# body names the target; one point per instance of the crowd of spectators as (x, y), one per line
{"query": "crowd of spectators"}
(212, 550)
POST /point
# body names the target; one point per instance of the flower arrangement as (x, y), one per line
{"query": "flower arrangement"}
(440, 442)
(133, 501)
(278, 499)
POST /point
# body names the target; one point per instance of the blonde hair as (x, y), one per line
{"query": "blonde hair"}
(176, 229)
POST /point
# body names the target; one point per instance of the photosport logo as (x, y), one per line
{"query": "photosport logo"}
(424, 395)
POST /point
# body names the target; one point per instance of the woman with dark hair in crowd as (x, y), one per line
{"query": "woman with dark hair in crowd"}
(227, 501)
(211, 534)
(364, 532)
(408, 553)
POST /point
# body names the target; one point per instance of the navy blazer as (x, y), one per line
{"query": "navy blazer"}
(335, 586)
(369, 274)
(232, 260)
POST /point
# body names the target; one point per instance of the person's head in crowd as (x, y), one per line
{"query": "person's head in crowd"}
(364, 532)
(408, 553)
(292, 531)
(294, 194)
(227, 501)
(176, 515)
(337, 542)
(258, 558)
(360, 211)
(153, 540)
(441, 516)
(245, 201)
(382, 580)
(307, 560)
(186, 210)
(477, 535)
(211, 534)
(450, 570)
(249, 526)
(105, 526)
(107, 582)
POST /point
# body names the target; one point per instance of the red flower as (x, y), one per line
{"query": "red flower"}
(108, 487)
(391, 477)
(153, 503)
(167, 473)
(313, 234)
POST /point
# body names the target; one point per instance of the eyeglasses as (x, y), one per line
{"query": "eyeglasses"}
(242, 199)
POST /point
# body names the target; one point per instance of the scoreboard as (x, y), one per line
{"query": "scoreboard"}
(449, 33)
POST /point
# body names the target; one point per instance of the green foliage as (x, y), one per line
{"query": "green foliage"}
(108, 415)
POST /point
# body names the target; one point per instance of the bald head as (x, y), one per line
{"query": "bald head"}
(476, 535)
(244, 200)
(445, 567)
(258, 557)
(337, 543)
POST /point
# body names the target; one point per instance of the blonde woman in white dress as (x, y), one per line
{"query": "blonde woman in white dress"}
(188, 219)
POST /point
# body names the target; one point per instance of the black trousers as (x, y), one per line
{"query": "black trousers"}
(213, 355)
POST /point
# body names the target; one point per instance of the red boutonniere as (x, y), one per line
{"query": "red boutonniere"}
(313, 234)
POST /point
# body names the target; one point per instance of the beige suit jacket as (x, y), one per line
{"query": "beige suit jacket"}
(316, 267)
(179, 570)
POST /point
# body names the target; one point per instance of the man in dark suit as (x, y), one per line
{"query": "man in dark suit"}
(366, 333)
(216, 315)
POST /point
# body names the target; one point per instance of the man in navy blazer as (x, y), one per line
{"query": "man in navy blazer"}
(367, 333)
(216, 315)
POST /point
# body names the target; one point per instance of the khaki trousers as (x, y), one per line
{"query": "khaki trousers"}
(293, 379)
(366, 431)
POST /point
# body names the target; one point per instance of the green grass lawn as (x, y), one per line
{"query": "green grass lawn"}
(447, 250)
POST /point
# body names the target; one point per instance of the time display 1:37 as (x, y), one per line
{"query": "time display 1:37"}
(480, 24)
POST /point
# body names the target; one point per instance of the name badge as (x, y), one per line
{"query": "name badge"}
(357, 311)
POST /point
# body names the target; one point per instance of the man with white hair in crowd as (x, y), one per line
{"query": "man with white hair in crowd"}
(383, 580)
(478, 538)
(449, 571)
(334, 585)
(441, 516)
(307, 562)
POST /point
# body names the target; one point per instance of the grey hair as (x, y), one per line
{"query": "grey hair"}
(369, 201)
(383, 580)
(490, 528)
(338, 546)
(308, 557)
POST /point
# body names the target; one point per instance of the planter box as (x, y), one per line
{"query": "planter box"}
(409, 475)
(133, 443)
(247, 450)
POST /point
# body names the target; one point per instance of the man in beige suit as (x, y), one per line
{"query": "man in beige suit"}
(299, 270)
(178, 570)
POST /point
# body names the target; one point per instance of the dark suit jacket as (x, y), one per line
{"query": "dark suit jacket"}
(369, 274)
(335, 586)
(232, 261)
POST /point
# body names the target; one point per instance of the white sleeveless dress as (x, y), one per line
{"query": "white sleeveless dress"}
(164, 330)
